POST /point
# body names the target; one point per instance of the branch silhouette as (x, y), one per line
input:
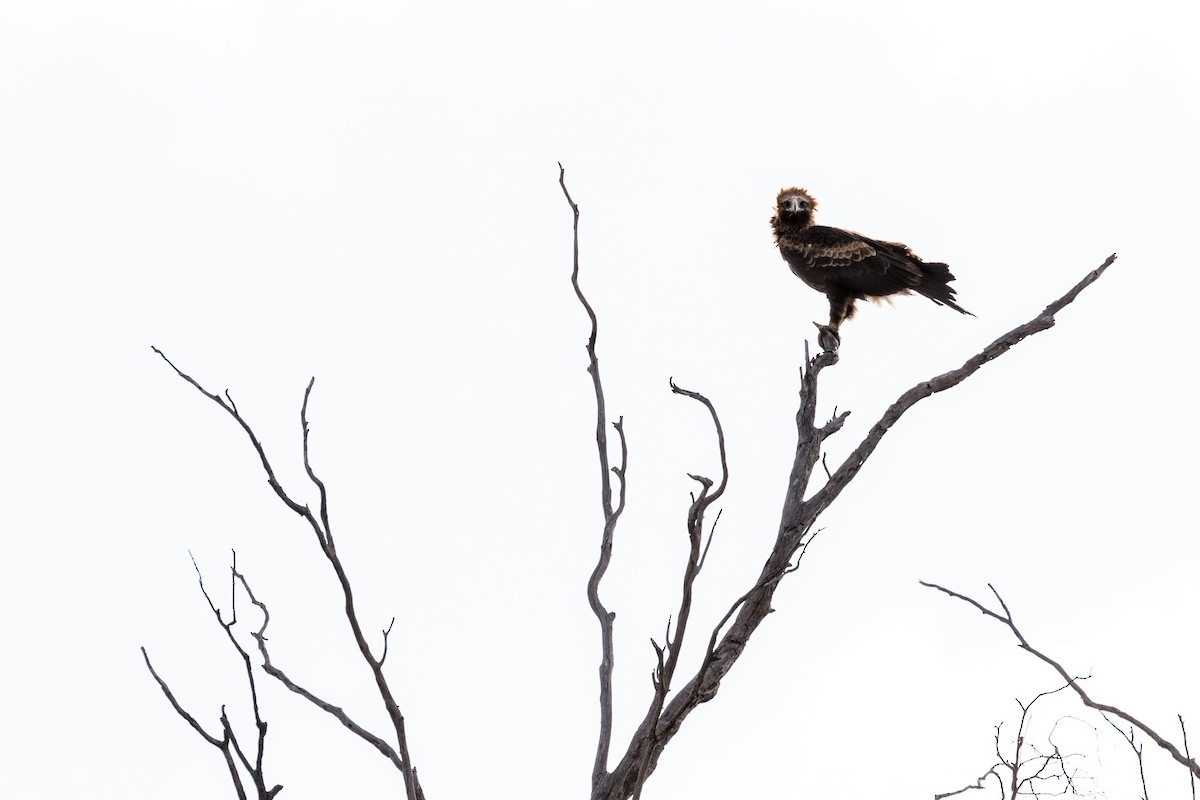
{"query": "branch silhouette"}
(664, 716)
(675, 694)
(324, 533)
(1006, 619)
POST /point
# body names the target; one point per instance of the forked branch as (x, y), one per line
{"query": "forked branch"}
(321, 527)
(260, 638)
(229, 744)
(1005, 618)
(797, 522)
(668, 654)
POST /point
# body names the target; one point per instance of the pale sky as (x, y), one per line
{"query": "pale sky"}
(367, 193)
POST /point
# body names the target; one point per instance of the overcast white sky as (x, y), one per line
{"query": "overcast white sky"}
(366, 192)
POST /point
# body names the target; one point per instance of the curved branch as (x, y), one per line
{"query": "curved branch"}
(675, 389)
(665, 670)
(611, 514)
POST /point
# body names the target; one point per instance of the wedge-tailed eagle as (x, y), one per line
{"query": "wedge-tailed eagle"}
(847, 266)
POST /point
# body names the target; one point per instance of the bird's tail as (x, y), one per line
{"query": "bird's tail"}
(935, 284)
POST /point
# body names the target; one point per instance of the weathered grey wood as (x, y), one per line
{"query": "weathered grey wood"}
(663, 719)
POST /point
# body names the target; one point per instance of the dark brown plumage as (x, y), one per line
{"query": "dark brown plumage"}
(847, 266)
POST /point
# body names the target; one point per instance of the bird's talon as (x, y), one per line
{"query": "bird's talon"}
(827, 337)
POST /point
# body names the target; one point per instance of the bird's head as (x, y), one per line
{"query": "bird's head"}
(795, 203)
(795, 206)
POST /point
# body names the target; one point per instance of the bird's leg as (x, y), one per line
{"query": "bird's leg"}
(841, 307)
(828, 337)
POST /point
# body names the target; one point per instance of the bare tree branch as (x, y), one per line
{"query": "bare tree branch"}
(324, 536)
(223, 744)
(260, 638)
(665, 670)
(328, 537)
(230, 408)
(1036, 775)
(978, 784)
(850, 467)
(196, 726)
(1137, 749)
(228, 744)
(799, 515)
(611, 514)
(1007, 620)
(1188, 753)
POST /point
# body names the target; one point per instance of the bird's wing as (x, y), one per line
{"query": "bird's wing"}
(818, 247)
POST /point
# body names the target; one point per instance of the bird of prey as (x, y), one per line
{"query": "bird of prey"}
(847, 266)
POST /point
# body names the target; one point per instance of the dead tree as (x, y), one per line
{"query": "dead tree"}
(728, 639)
(674, 696)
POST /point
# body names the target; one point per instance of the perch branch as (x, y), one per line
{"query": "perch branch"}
(850, 467)
(797, 519)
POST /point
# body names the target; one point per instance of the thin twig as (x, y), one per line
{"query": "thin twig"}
(327, 530)
(977, 785)
(196, 726)
(229, 744)
(231, 409)
(1136, 747)
(1006, 619)
(1187, 752)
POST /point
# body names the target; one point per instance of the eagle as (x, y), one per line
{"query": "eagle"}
(847, 266)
